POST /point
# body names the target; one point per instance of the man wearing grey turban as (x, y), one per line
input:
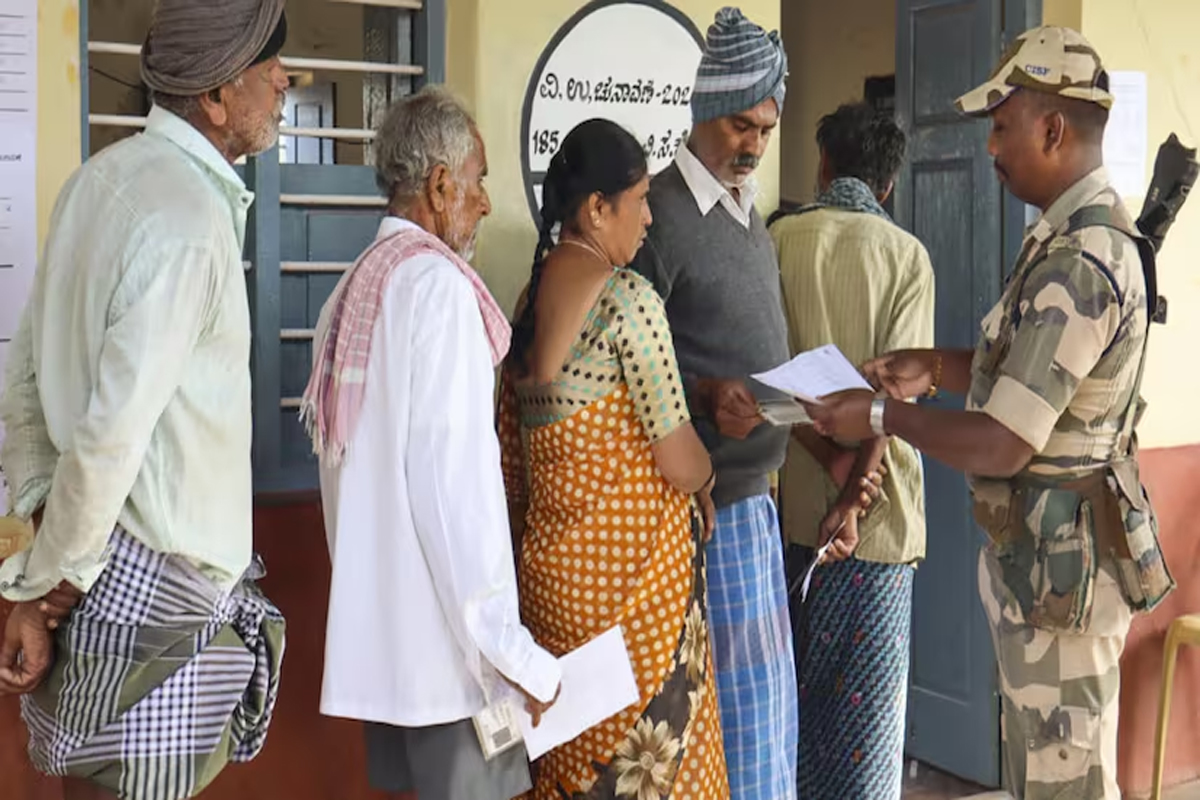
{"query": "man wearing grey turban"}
(145, 656)
(710, 257)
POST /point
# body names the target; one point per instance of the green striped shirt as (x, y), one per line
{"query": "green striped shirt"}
(862, 283)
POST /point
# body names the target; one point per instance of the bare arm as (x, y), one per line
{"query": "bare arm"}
(956, 370)
(904, 374)
(683, 460)
(970, 441)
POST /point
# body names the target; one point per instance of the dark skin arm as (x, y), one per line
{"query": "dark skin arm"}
(729, 404)
(27, 643)
(971, 442)
(968, 441)
(853, 501)
(911, 373)
(837, 461)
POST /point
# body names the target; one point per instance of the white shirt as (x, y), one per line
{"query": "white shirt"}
(709, 191)
(423, 603)
(128, 381)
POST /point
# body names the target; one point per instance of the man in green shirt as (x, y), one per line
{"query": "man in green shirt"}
(853, 278)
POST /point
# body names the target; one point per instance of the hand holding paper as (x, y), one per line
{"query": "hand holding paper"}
(597, 682)
(814, 374)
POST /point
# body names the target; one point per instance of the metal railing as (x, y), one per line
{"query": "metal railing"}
(289, 62)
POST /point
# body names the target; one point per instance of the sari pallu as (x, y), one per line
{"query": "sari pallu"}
(609, 543)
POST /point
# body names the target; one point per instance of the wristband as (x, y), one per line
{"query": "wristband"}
(877, 407)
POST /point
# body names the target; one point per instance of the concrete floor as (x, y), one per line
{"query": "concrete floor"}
(922, 782)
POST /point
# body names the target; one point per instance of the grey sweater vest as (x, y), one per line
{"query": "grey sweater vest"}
(720, 284)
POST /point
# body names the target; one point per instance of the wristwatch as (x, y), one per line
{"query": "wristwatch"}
(877, 407)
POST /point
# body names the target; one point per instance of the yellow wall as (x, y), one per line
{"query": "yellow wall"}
(1158, 37)
(58, 101)
(493, 47)
(833, 47)
(1062, 12)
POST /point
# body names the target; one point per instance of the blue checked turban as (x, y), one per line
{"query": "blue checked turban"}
(743, 65)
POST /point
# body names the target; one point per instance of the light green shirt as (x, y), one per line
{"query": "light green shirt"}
(860, 282)
(127, 397)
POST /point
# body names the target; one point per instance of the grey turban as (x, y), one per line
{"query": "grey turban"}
(743, 65)
(195, 46)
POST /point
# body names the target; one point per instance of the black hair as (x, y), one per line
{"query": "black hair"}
(861, 142)
(597, 156)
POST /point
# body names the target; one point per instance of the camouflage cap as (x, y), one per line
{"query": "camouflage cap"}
(1051, 60)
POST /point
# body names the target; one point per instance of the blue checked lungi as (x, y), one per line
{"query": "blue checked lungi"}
(161, 678)
(854, 644)
(752, 651)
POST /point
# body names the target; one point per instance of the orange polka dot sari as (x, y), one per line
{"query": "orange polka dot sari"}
(608, 542)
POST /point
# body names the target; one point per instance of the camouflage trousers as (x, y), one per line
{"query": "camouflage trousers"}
(1060, 693)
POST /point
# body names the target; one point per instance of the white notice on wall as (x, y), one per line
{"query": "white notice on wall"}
(632, 62)
(18, 172)
(1127, 138)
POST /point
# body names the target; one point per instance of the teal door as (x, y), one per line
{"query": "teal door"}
(950, 198)
(310, 221)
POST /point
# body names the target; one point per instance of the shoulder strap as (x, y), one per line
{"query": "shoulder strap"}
(1102, 216)
(1157, 313)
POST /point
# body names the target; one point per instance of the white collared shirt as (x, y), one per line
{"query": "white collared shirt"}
(423, 602)
(127, 396)
(709, 191)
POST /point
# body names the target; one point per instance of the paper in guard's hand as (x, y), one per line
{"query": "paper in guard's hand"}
(15, 535)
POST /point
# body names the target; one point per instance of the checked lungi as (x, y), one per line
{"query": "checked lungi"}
(753, 655)
(161, 678)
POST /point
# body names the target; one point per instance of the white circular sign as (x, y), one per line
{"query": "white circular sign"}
(631, 61)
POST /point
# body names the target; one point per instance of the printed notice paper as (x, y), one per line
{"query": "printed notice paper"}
(1127, 136)
(597, 682)
(814, 374)
(18, 172)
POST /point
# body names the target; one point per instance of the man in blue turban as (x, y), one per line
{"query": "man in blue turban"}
(710, 257)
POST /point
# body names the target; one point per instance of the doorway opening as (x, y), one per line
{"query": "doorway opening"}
(912, 58)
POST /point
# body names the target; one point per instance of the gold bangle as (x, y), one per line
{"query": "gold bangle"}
(937, 378)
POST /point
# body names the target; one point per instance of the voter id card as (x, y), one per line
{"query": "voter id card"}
(497, 729)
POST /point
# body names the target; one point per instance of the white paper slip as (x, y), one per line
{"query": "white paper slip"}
(597, 682)
(805, 579)
(814, 374)
(808, 573)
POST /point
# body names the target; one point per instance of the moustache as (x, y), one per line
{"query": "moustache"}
(746, 160)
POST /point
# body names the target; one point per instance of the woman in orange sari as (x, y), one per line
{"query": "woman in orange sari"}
(609, 483)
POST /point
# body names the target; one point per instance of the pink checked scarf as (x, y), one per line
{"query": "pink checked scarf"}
(334, 396)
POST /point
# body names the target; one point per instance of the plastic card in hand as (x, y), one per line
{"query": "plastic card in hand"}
(784, 413)
(497, 729)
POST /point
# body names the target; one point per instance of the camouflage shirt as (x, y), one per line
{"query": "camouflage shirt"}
(1060, 372)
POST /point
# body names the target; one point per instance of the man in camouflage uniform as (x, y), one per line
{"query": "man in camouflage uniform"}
(1047, 435)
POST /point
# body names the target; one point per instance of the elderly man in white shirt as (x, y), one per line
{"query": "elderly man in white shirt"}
(424, 631)
(127, 409)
